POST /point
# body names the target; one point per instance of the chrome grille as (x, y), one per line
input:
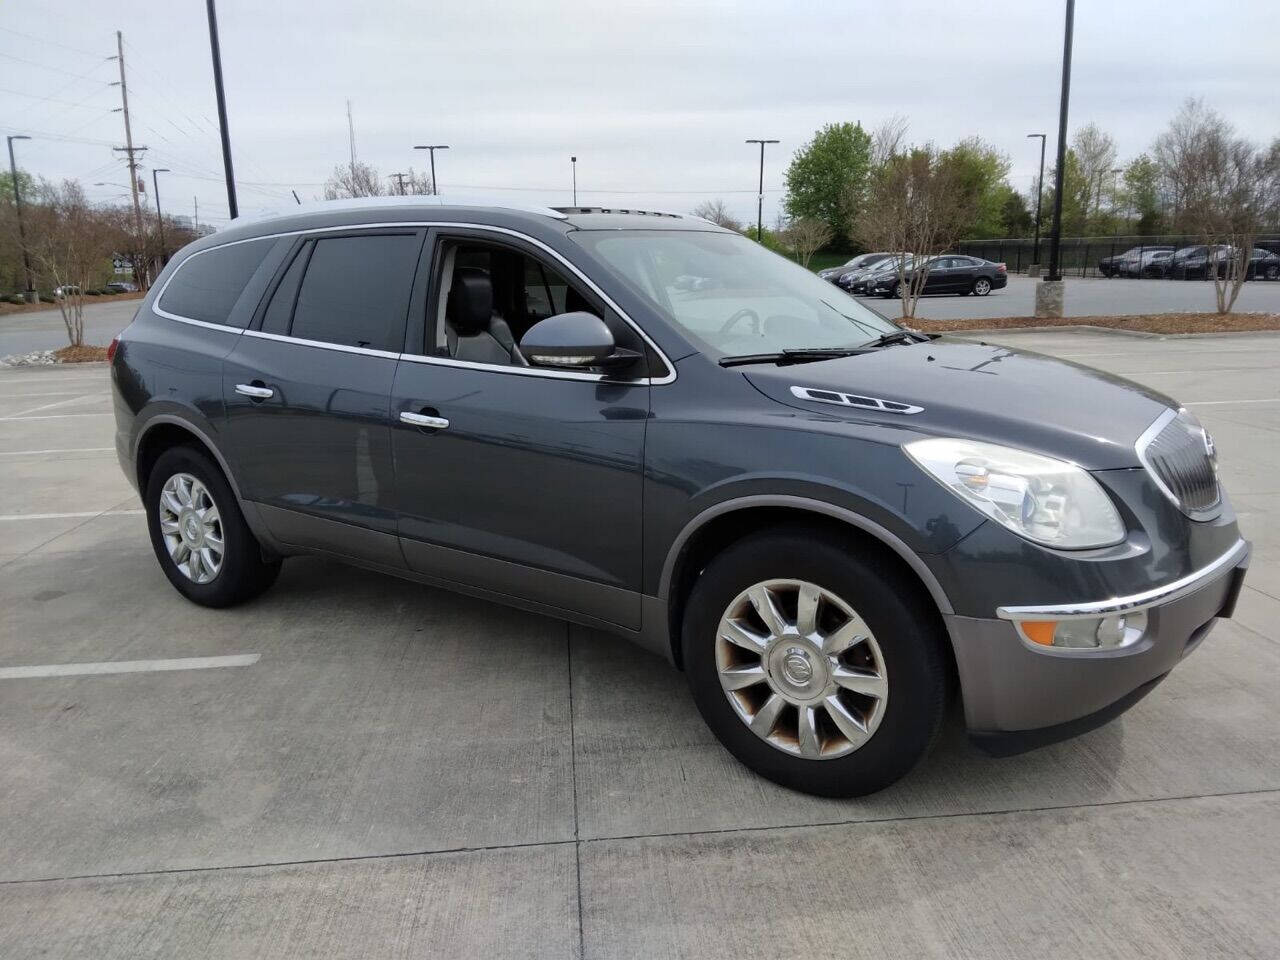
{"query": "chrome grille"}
(1179, 455)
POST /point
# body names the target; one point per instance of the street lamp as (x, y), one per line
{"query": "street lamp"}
(155, 182)
(22, 232)
(1035, 252)
(433, 147)
(1049, 293)
(760, 194)
(573, 165)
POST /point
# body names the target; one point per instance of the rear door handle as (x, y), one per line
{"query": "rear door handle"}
(257, 393)
(424, 420)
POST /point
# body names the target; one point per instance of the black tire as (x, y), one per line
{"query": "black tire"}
(981, 287)
(893, 607)
(244, 573)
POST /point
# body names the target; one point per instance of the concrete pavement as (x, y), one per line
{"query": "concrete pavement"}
(404, 772)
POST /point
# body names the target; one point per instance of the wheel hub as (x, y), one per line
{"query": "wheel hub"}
(797, 670)
(191, 527)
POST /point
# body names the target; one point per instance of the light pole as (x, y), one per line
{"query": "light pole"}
(155, 182)
(1049, 292)
(760, 193)
(1035, 251)
(573, 165)
(228, 172)
(30, 292)
(432, 148)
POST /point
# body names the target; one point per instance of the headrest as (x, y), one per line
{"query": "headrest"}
(470, 303)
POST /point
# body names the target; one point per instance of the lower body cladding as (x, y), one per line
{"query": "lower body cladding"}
(1019, 694)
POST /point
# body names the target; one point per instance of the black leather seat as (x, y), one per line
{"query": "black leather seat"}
(473, 331)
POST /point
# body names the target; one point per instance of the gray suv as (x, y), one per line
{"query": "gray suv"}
(646, 424)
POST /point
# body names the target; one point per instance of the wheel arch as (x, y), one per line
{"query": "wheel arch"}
(725, 523)
(166, 430)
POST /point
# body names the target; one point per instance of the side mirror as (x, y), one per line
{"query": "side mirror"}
(575, 340)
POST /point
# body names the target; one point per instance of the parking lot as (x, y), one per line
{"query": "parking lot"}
(360, 766)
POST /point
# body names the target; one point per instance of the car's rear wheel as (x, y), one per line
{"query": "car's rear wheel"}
(981, 287)
(1273, 271)
(815, 667)
(199, 534)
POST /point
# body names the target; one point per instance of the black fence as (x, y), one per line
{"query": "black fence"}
(1079, 256)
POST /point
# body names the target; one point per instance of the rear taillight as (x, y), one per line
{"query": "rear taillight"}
(111, 348)
(1002, 268)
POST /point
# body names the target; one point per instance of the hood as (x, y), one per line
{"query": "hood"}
(983, 392)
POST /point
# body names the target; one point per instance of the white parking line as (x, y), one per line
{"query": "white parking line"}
(32, 453)
(58, 403)
(28, 396)
(54, 378)
(70, 516)
(1215, 403)
(57, 416)
(127, 666)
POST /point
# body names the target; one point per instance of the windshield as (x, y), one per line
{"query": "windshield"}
(730, 295)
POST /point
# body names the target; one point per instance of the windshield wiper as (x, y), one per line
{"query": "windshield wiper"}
(900, 336)
(800, 355)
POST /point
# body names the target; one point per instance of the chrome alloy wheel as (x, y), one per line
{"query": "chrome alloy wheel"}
(801, 669)
(191, 527)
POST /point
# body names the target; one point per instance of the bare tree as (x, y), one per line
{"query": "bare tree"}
(805, 236)
(718, 213)
(919, 203)
(1225, 188)
(70, 242)
(1095, 152)
(355, 179)
(887, 139)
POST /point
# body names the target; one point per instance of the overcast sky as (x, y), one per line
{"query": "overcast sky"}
(655, 98)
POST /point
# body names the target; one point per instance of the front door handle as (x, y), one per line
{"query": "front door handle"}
(254, 391)
(424, 420)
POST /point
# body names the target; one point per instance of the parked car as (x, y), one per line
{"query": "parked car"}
(1263, 265)
(1110, 266)
(862, 261)
(946, 274)
(1194, 262)
(855, 281)
(1155, 264)
(120, 286)
(826, 520)
(1132, 261)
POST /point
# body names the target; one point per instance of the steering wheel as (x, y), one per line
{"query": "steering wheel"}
(744, 312)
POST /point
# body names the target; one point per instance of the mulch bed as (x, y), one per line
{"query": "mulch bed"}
(85, 353)
(1141, 323)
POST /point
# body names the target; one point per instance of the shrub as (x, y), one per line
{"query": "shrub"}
(16, 298)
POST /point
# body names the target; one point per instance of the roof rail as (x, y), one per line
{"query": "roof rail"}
(569, 211)
(419, 200)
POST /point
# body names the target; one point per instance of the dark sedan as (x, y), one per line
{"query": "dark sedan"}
(1263, 265)
(947, 274)
(862, 261)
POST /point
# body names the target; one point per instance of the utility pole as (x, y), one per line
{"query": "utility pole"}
(1035, 251)
(129, 149)
(573, 165)
(399, 182)
(216, 52)
(195, 214)
(22, 233)
(1049, 292)
(351, 140)
(155, 182)
(432, 148)
(760, 193)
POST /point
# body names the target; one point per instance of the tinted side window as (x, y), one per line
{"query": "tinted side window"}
(356, 291)
(280, 309)
(207, 285)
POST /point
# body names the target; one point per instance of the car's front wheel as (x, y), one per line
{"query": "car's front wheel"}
(981, 287)
(818, 668)
(199, 534)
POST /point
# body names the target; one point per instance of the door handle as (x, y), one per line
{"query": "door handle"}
(424, 420)
(257, 393)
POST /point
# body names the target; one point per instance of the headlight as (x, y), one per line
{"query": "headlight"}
(847, 276)
(1050, 501)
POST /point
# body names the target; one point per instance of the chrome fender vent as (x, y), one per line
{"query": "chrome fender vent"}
(853, 400)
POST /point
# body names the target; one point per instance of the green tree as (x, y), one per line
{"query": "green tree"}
(1142, 194)
(980, 170)
(1015, 218)
(827, 177)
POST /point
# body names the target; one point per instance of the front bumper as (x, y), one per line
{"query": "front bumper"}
(1018, 696)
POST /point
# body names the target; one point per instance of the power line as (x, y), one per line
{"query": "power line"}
(45, 41)
(42, 66)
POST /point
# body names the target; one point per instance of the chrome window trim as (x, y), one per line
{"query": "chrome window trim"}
(846, 400)
(1140, 448)
(1134, 602)
(424, 358)
(323, 344)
